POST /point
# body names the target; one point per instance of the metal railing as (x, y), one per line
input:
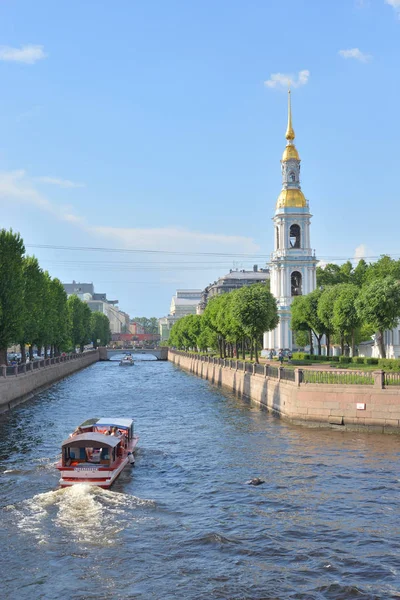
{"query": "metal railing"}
(273, 372)
(26, 368)
(288, 375)
(337, 377)
(390, 378)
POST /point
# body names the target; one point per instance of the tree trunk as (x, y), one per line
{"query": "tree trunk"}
(342, 344)
(23, 353)
(353, 342)
(31, 352)
(328, 343)
(81, 347)
(311, 341)
(220, 346)
(381, 344)
(256, 350)
(3, 356)
(244, 348)
(319, 338)
(45, 352)
(251, 349)
(51, 351)
(237, 350)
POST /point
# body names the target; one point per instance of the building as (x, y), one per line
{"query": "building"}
(165, 325)
(136, 328)
(185, 303)
(293, 263)
(231, 281)
(119, 320)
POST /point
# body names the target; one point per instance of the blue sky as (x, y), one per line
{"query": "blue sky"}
(150, 126)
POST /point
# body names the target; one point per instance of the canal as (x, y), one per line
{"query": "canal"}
(183, 524)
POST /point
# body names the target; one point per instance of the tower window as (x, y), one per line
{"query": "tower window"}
(277, 238)
(292, 176)
(294, 236)
(296, 283)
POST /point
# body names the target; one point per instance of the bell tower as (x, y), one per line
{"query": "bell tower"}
(293, 264)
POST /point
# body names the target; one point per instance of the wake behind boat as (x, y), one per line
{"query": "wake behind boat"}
(97, 452)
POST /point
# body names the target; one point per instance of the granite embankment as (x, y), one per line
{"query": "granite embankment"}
(339, 399)
(22, 382)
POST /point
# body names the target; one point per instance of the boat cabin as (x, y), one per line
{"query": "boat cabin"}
(97, 442)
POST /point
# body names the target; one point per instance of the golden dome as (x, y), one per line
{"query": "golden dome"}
(290, 152)
(293, 198)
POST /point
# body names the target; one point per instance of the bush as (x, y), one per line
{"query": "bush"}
(335, 358)
(301, 356)
(389, 364)
(359, 360)
(344, 359)
(371, 361)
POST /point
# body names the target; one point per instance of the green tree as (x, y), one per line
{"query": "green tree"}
(99, 329)
(306, 312)
(345, 318)
(31, 313)
(300, 321)
(379, 305)
(325, 313)
(61, 324)
(255, 310)
(149, 325)
(79, 314)
(11, 290)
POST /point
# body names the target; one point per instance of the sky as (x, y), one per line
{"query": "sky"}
(140, 141)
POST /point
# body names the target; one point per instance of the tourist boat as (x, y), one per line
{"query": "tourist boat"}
(97, 452)
(127, 361)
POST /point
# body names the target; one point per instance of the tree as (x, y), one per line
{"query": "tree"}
(325, 313)
(149, 325)
(306, 312)
(345, 316)
(79, 314)
(379, 305)
(255, 310)
(62, 325)
(31, 314)
(11, 290)
(99, 329)
(299, 320)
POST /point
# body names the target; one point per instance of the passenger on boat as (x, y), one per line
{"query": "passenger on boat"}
(77, 431)
(115, 431)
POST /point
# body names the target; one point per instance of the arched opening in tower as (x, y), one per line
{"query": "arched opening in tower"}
(296, 283)
(294, 236)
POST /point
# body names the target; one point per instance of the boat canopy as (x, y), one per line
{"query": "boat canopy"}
(91, 439)
(111, 422)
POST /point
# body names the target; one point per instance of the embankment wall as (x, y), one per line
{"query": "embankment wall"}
(355, 407)
(22, 387)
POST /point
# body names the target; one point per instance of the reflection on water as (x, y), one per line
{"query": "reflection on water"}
(183, 524)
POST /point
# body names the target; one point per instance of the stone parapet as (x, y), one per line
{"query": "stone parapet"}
(29, 381)
(367, 407)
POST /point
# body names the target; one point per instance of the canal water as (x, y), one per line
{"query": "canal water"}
(183, 524)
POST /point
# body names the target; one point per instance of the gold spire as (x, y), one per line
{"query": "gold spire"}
(289, 131)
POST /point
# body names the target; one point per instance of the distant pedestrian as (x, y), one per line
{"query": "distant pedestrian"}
(280, 357)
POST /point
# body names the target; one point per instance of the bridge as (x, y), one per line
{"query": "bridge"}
(108, 353)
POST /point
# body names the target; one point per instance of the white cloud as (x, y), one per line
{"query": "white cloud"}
(16, 187)
(361, 252)
(282, 80)
(26, 54)
(176, 239)
(356, 54)
(395, 4)
(64, 183)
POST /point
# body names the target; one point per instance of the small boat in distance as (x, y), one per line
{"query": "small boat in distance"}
(97, 452)
(127, 361)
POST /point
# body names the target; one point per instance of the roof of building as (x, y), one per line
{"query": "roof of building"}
(185, 301)
(246, 275)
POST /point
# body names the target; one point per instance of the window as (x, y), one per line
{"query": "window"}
(294, 236)
(292, 176)
(296, 283)
(277, 238)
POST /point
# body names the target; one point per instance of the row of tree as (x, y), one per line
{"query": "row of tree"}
(231, 322)
(150, 325)
(349, 305)
(34, 309)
